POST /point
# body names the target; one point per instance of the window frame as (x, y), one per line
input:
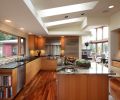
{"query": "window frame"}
(18, 43)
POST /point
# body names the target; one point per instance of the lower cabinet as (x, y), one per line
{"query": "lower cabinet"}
(48, 64)
(32, 68)
(82, 87)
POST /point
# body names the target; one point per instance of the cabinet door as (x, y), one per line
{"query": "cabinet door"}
(71, 87)
(62, 41)
(97, 87)
(31, 42)
(41, 43)
(36, 43)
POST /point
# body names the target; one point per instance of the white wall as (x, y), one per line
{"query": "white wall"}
(114, 37)
(115, 21)
(80, 47)
(11, 30)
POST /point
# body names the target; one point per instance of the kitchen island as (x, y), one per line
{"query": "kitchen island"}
(82, 84)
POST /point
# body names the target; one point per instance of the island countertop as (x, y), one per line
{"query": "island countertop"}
(94, 69)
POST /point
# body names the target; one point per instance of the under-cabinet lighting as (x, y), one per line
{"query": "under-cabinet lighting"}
(21, 28)
(8, 21)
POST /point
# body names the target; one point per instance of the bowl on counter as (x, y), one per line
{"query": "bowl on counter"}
(83, 63)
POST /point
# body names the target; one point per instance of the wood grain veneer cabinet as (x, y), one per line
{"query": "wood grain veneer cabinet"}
(71, 87)
(32, 68)
(41, 43)
(32, 42)
(62, 41)
(48, 64)
(82, 87)
(116, 64)
(97, 87)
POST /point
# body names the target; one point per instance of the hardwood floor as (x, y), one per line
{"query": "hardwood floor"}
(42, 87)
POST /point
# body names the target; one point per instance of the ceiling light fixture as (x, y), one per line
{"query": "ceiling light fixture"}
(21, 28)
(64, 21)
(83, 14)
(67, 9)
(8, 21)
(112, 6)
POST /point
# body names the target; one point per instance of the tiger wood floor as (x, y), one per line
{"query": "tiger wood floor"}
(42, 87)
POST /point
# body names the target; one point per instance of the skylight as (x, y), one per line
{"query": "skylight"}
(67, 9)
(64, 21)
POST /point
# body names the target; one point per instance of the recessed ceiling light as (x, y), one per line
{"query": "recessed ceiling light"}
(112, 6)
(8, 21)
(64, 21)
(83, 14)
(66, 17)
(21, 28)
(67, 9)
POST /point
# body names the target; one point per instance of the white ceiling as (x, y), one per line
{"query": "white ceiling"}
(22, 16)
(100, 10)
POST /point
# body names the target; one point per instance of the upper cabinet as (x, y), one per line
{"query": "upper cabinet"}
(62, 42)
(41, 43)
(33, 42)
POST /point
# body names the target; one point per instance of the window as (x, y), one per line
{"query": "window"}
(99, 48)
(105, 32)
(99, 34)
(9, 45)
(93, 48)
(98, 41)
(93, 37)
(105, 48)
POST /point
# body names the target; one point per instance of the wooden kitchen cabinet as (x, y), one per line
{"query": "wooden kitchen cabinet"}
(48, 64)
(97, 87)
(116, 64)
(82, 87)
(41, 43)
(62, 41)
(71, 87)
(32, 68)
(33, 42)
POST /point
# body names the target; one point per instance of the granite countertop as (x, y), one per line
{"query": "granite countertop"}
(94, 69)
(16, 64)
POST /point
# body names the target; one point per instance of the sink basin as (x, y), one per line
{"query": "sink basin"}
(69, 69)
